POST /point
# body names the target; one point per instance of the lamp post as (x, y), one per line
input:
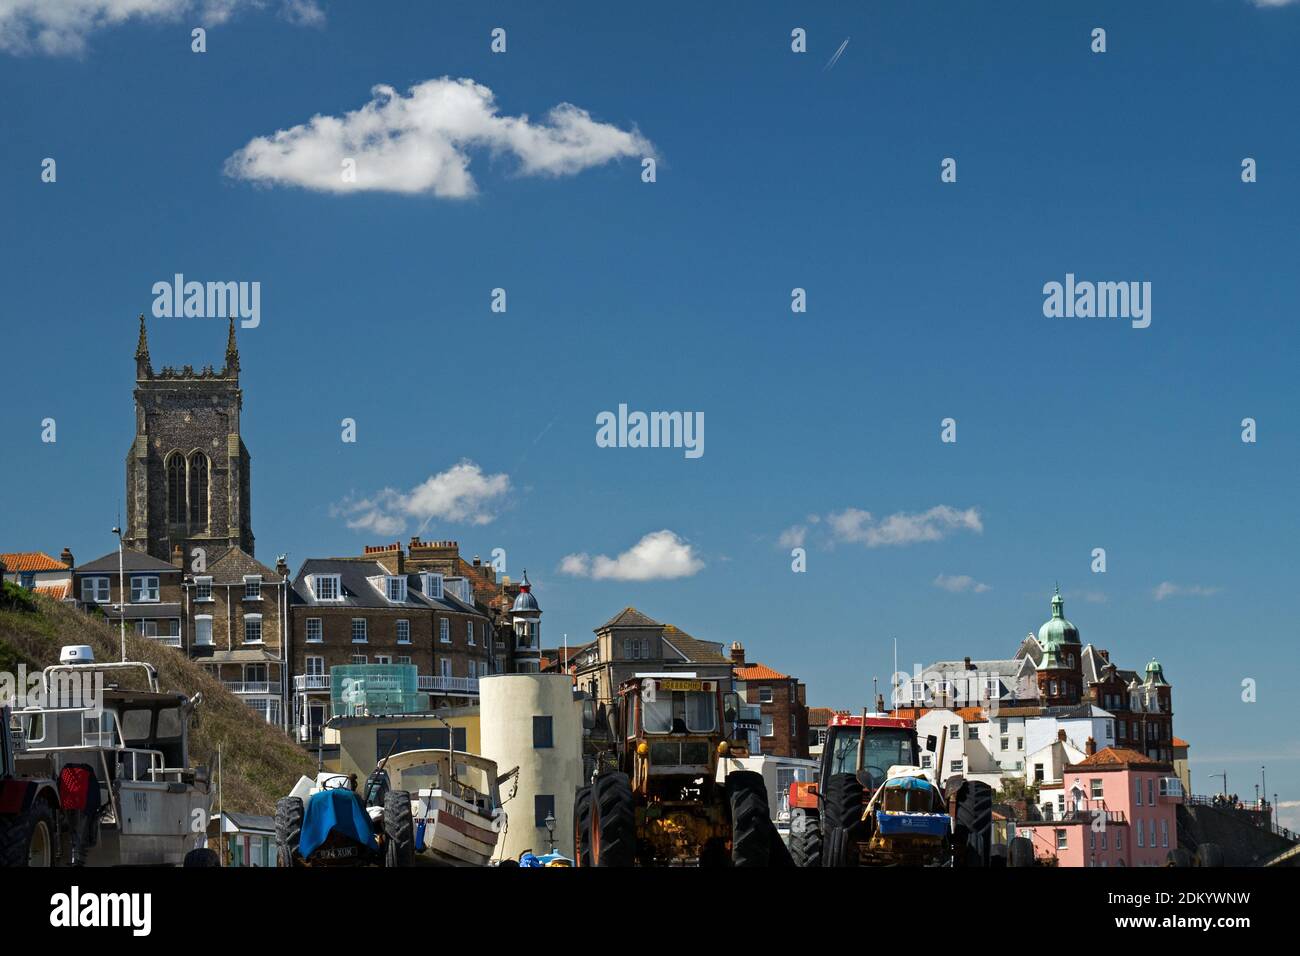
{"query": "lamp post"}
(550, 831)
(121, 592)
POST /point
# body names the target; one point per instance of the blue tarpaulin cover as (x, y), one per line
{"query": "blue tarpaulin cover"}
(336, 810)
(913, 824)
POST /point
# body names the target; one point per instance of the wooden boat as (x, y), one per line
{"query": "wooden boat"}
(455, 804)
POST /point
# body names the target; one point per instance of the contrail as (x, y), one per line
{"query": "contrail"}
(830, 64)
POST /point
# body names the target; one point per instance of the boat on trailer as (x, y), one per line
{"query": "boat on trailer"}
(455, 804)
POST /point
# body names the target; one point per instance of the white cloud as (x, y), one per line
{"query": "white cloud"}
(960, 583)
(856, 526)
(420, 143)
(1273, 3)
(657, 556)
(1167, 589)
(794, 536)
(61, 27)
(462, 493)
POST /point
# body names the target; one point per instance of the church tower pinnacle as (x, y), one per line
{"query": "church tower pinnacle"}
(232, 352)
(142, 367)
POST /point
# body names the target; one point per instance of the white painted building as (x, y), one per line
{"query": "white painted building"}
(1079, 723)
(532, 721)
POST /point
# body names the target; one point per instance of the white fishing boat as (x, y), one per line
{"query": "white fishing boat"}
(455, 804)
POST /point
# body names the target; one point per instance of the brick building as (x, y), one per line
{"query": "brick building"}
(154, 605)
(237, 610)
(780, 698)
(376, 610)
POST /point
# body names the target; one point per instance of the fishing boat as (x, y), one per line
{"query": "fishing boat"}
(455, 804)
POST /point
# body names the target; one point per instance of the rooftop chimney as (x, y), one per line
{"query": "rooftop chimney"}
(737, 652)
(66, 558)
(1060, 735)
(968, 664)
(1090, 747)
(178, 556)
(282, 566)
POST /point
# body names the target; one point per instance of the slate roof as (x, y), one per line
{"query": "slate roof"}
(234, 563)
(1075, 711)
(132, 560)
(690, 648)
(357, 591)
(630, 617)
(30, 561)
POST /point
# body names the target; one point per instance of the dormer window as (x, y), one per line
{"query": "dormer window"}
(433, 586)
(395, 588)
(327, 587)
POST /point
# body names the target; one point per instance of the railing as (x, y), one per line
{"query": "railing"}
(1260, 816)
(311, 682)
(252, 687)
(171, 640)
(1088, 816)
(449, 685)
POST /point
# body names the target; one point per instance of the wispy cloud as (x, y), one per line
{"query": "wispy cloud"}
(657, 556)
(853, 525)
(960, 583)
(835, 57)
(462, 493)
(62, 27)
(421, 143)
(1168, 589)
(1274, 3)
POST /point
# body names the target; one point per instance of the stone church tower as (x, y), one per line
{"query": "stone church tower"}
(187, 474)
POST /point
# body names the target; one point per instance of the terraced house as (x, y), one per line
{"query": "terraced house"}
(237, 611)
(373, 610)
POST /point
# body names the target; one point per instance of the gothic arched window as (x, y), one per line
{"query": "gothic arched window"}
(176, 489)
(198, 491)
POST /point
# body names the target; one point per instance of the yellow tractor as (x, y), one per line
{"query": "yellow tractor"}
(659, 801)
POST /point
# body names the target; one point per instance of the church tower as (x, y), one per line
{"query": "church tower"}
(187, 473)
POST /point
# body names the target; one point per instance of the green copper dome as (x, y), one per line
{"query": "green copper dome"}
(1058, 630)
(1156, 673)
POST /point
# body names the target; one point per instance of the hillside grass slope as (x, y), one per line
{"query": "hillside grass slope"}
(259, 762)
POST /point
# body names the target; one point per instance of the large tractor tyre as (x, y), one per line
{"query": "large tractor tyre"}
(780, 853)
(288, 830)
(29, 840)
(805, 838)
(974, 824)
(751, 825)
(399, 829)
(1020, 852)
(582, 827)
(202, 857)
(1209, 854)
(842, 807)
(613, 821)
(1179, 857)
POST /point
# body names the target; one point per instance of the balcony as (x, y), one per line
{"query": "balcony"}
(171, 640)
(311, 682)
(252, 687)
(449, 685)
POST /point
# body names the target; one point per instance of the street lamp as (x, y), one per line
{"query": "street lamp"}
(121, 592)
(550, 830)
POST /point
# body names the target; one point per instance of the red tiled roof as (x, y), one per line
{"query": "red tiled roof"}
(1180, 742)
(31, 561)
(758, 672)
(1117, 757)
(57, 592)
(822, 715)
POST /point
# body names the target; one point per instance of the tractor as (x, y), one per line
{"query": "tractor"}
(873, 805)
(656, 798)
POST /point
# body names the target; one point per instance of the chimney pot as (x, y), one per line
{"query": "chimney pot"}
(1091, 747)
(737, 652)
(1060, 735)
(66, 557)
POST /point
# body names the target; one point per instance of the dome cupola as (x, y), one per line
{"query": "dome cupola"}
(1058, 630)
(525, 602)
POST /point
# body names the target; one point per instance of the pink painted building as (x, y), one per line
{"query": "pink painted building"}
(1121, 810)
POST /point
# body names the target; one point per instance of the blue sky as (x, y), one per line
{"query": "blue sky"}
(774, 172)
